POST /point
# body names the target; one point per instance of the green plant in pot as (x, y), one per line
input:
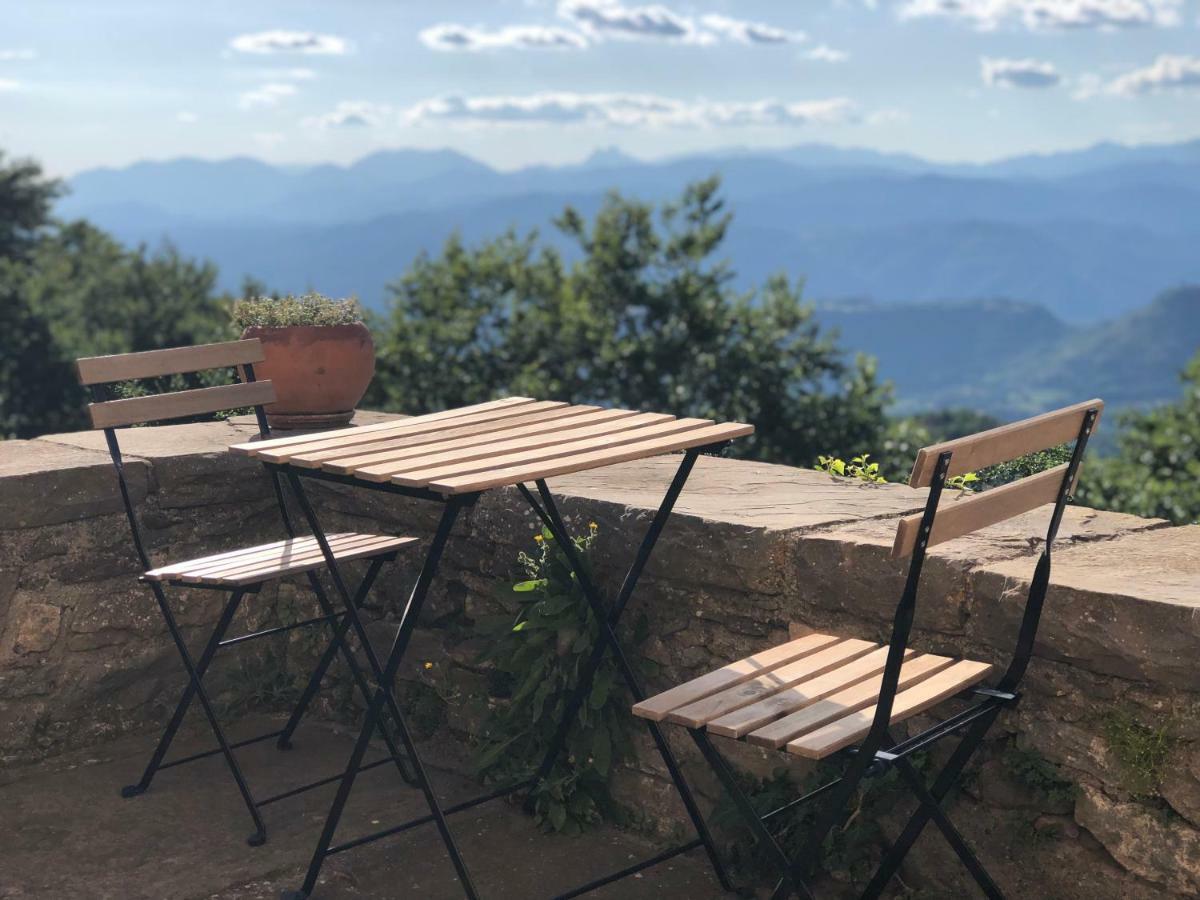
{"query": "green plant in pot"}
(319, 355)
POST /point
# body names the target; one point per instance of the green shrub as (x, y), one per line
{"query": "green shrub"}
(307, 309)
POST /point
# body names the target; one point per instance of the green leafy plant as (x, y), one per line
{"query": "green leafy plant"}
(306, 309)
(963, 482)
(1041, 776)
(1142, 750)
(1024, 466)
(538, 654)
(859, 467)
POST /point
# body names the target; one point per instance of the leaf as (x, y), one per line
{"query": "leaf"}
(522, 587)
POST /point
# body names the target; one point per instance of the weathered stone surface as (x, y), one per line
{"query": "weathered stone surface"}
(1141, 841)
(1128, 607)
(44, 483)
(37, 628)
(1181, 782)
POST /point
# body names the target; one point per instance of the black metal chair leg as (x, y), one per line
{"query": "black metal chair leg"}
(952, 834)
(259, 837)
(336, 645)
(185, 700)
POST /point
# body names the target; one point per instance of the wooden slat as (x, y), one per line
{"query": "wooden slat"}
(396, 449)
(174, 361)
(974, 511)
(251, 447)
(115, 413)
(294, 548)
(436, 471)
(740, 722)
(839, 705)
(700, 437)
(252, 564)
(977, 451)
(300, 562)
(157, 574)
(657, 707)
(703, 711)
(350, 438)
(933, 690)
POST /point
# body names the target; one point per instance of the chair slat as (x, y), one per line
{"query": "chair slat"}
(177, 405)
(174, 361)
(811, 716)
(657, 707)
(250, 448)
(703, 711)
(741, 722)
(699, 437)
(933, 690)
(977, 451)
(958, 517)
(450, 465)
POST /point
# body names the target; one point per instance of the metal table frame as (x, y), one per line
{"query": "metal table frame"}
(547, 510)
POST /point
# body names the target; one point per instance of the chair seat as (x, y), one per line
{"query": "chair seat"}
(251, 565)
(816, 694)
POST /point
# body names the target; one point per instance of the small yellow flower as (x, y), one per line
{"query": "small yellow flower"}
(538, 538)
(428, 665)
(593, 526)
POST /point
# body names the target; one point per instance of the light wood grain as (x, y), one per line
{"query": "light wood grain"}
(174, 361)
(352, 439)
(927, 693)
(699, 437)
(740, 722)
(251, 565)
(180, 404)
(559, 450)
(469, 437)
(970, 512)
(977, 451)
(657, 707)
(700, 712)
(865, 692)
(250, 447)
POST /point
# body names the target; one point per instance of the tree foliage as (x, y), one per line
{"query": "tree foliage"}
(70, 290)
(644, 316)
(1156, 471)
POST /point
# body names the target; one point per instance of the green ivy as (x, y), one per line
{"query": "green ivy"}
(859, 467)
(538, 654)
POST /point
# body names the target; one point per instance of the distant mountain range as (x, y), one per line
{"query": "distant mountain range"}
(1012, 359)
(1074, 245)
(1089, 235)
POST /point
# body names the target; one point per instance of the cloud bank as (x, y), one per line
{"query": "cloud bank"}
(451, 37)
(988, 15)
(1019, 73)
(279, 41)
(1165, 73)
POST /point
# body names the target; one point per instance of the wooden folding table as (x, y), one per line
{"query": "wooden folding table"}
(452, 457)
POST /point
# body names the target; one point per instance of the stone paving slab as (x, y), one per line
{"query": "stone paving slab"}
(67, 833)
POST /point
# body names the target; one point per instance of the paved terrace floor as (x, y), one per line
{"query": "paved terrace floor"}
(65, 832)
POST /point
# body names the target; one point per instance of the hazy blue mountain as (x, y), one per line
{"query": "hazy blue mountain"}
(1088, 234)
(1012, 359)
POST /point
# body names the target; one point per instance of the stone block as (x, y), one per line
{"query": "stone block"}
(44, 483)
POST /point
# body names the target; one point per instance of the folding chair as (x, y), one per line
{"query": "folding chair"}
(241, 572)
(821, 694)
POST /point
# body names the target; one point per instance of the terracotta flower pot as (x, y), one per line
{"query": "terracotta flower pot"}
(320, 372)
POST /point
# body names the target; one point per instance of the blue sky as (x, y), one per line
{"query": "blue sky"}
(518, 82)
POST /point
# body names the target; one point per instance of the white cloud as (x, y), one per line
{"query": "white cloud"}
(1021, 73)
(7, 84)
(451, 37)
(988, 15)
(629, 110)
(14, 55)
(825, 53)
(610, 18)
(351, 114)
(1165, 73)
(751, 32)
(186, 118)
(279, 41)
(266, 95)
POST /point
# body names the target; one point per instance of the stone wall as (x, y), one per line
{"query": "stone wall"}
(1112, 702)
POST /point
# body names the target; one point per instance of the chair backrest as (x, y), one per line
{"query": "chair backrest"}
(101, 370)
(939, 462)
